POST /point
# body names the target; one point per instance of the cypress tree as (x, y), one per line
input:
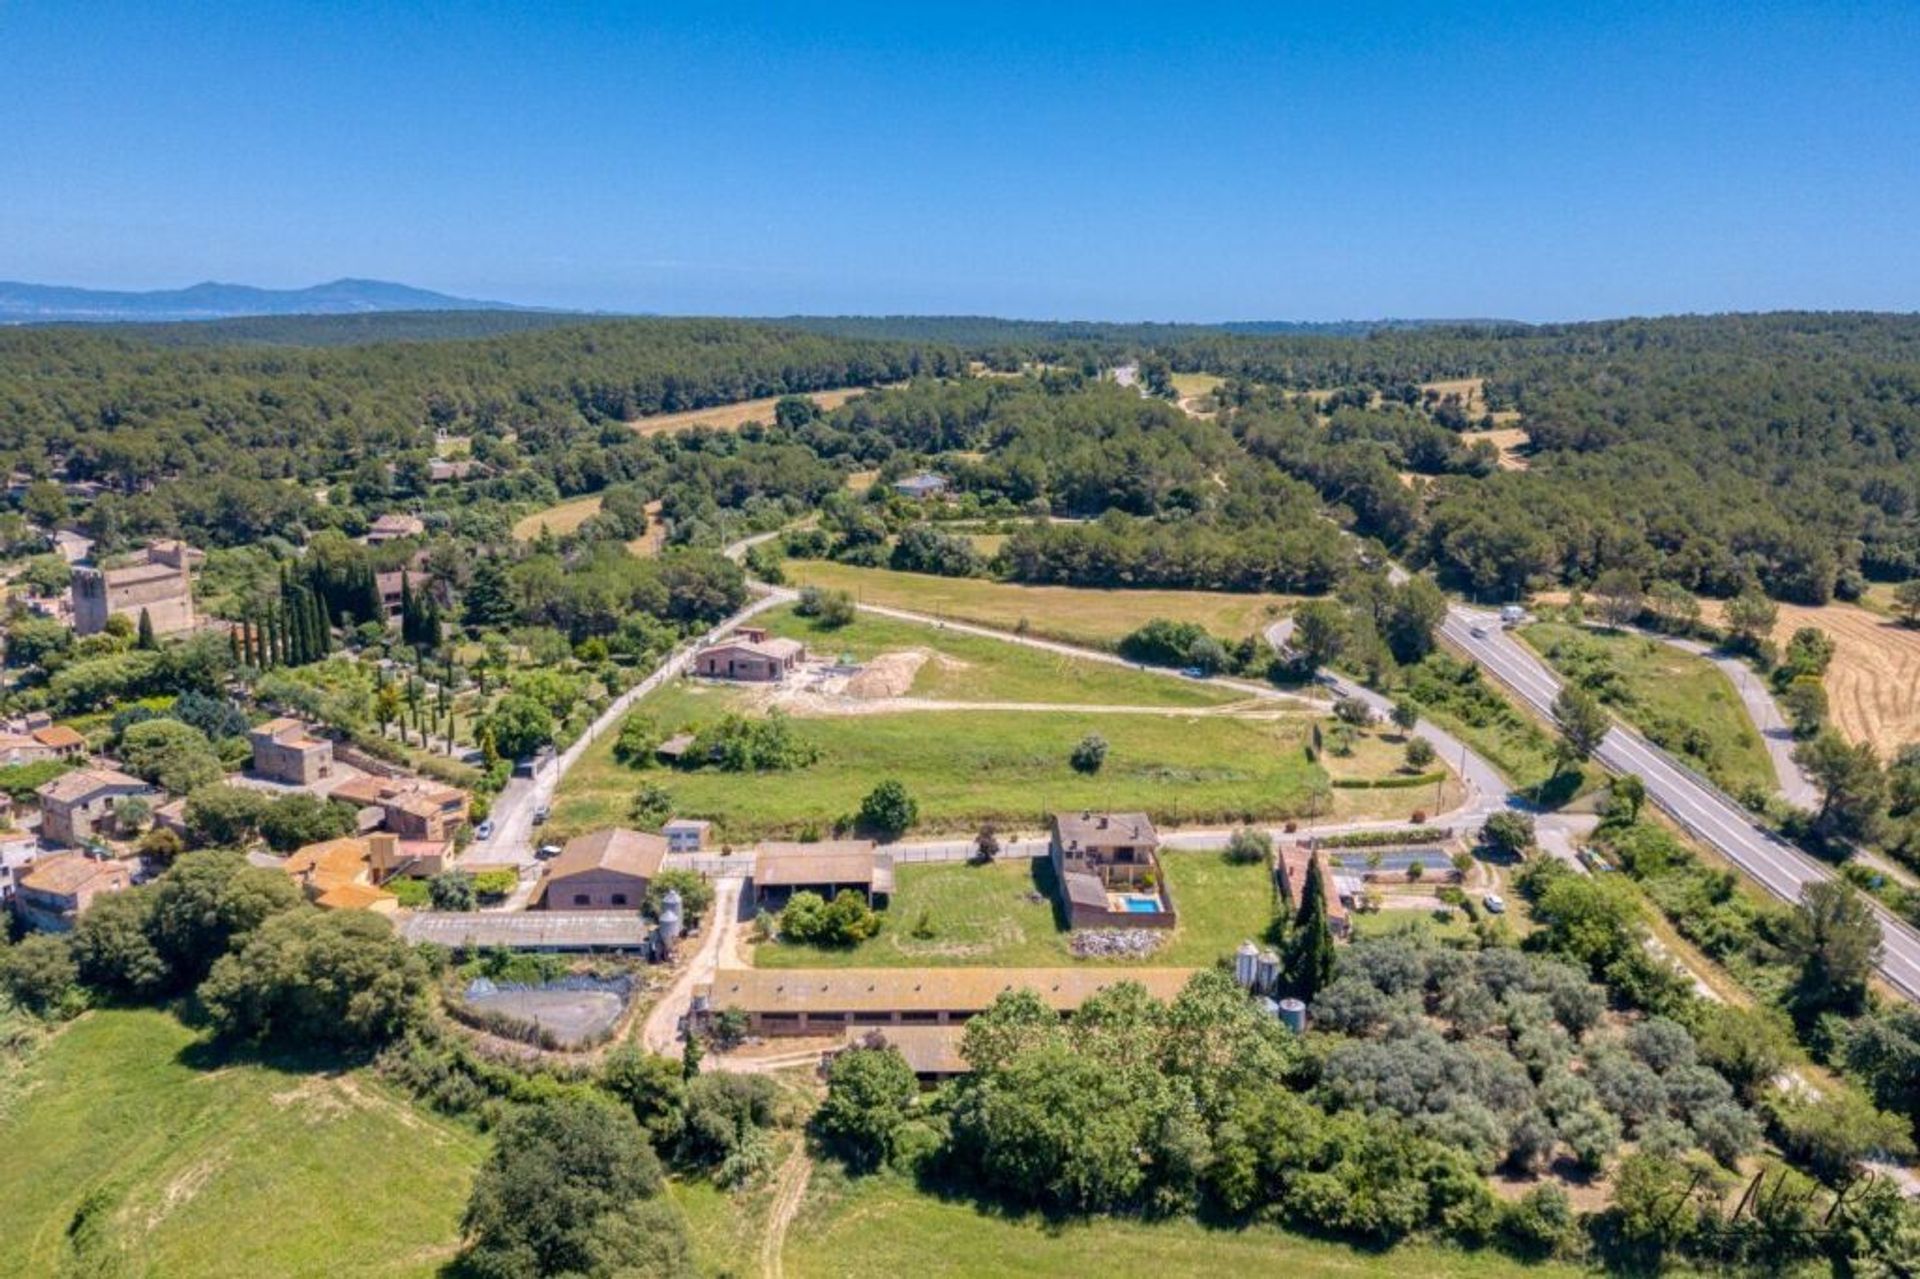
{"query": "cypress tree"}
(322, 627)
(145, 638)
(409, 623)
(1310, 947)
(269, 642)
(371, 607)
(233, 645)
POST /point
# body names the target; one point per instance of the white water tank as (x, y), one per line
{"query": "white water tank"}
(1246, 965)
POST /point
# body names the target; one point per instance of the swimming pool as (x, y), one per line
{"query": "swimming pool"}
(1141, 905)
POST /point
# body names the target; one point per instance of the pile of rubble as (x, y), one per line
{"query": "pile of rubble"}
(1116, 943)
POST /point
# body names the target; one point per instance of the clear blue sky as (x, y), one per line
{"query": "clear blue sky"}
(1534, 160)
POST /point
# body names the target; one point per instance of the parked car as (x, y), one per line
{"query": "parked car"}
(541, 814)
(546, 851)
(1495, 904)
(484, 830)
(1193, 672)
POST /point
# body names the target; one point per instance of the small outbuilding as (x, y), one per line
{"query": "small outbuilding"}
(827, 868)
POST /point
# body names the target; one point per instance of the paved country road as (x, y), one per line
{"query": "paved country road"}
(1683, 794)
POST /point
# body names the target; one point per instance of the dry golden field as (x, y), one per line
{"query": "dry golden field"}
(560, 520)
(728, 417)
(1873, 685)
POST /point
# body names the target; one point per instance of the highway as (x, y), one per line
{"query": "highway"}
(1683, 794)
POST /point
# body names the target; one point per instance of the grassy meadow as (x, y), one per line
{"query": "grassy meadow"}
(1074, 615)
(1003, 915)
(126, 1153)
(966, 767)
(1670, 686)
(881, 1227)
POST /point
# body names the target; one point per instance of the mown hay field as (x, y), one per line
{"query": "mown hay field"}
(1873, 685)
(731, 417)
(1071, 614)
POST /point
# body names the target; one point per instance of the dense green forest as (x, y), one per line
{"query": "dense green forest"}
(1704, 451)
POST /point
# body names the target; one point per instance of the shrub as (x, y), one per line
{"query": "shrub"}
(1089, 754)
(829, 609)
(1420, 753)
(1247, 846)
(812, 920)
(494, 884)
(888, 810)
(39, 973)
(1508, 832)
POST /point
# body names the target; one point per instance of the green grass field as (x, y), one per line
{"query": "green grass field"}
(882, 1228)
(1073, 615)
(1003, 915)
(978, 669)
(125, 1155)
(1671, 687)
(966, 767)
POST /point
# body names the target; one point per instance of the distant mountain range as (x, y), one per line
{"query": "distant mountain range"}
(52, 303)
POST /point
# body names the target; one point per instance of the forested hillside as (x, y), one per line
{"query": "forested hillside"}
(1702, 451)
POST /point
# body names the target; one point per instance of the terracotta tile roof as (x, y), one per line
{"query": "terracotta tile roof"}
(354, 897)
(628, 852)
(58, 736)
(417, 795)
(963, 990)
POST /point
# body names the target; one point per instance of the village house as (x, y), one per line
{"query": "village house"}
(56, 741)
(56, 890)
(827, 868)
(78, 806)
(922, 486)
(686, 834)
(284, 750)
(1107, 866)
(606, 870)
(159, 583)
(831, 1001)
(750, 654)
(393, 527)
(347, 874)
(1290, 863)
(410, 807)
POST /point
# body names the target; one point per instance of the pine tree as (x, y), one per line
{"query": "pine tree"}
(145, 639)
(1310, 946)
